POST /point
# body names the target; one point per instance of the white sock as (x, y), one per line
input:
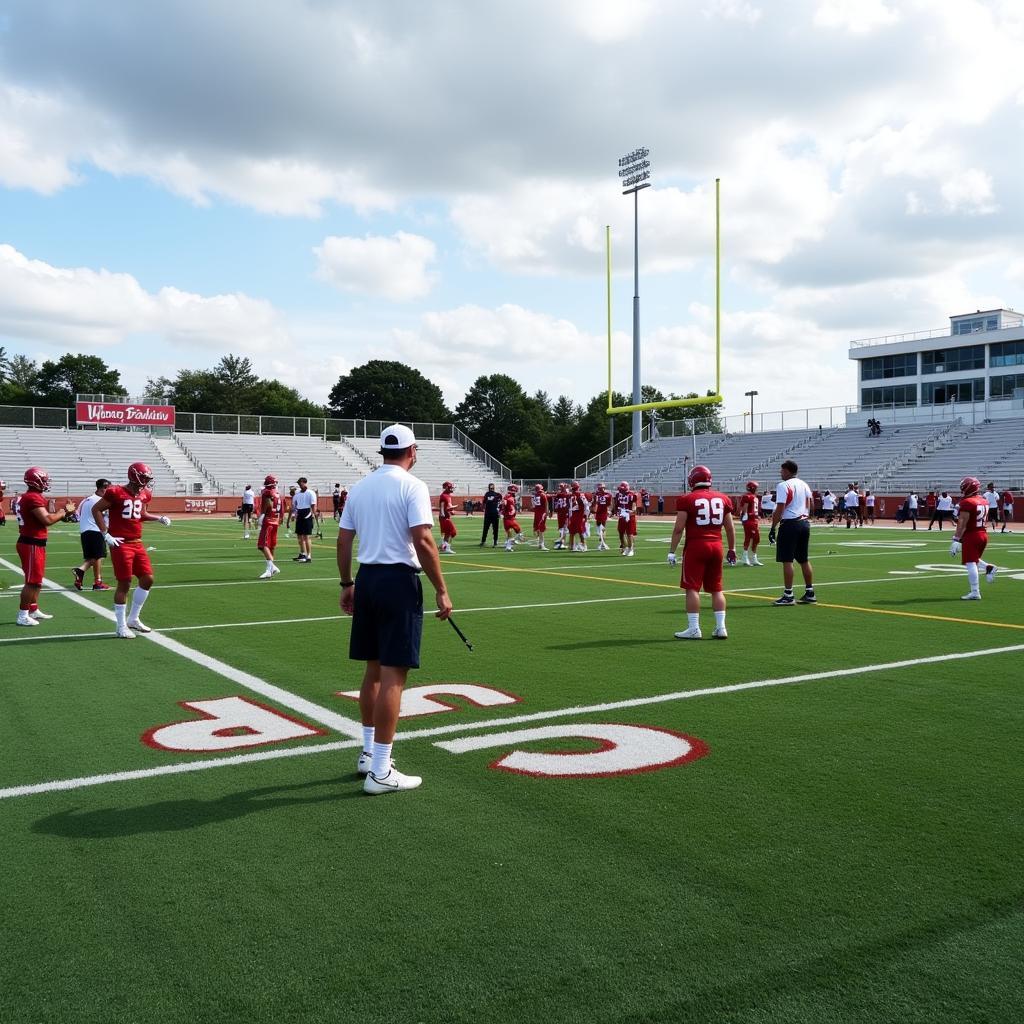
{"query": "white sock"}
(138, 600)
(972, 575)
(381, 764)
(119, 614)
(693, 620)
(600, 533)
(983, 566)
(270, 563)
(720, 620)
(367, 738)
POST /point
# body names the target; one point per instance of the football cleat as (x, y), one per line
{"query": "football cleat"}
(785, 599)
(101, 586)
(124, 633)
(972, 596)
(630, 552)
(266, 574)
(693, 633)
(807, 598)
(138, 626)
(24, 619)
(756, 561)
(79, 577)
(990, 574)
(720, 633)
(38, 615)
(700, 476)
(393, 782)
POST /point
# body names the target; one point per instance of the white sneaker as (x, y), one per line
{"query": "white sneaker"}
(24, 619)
(602, 546)
(364, 761)
(265, 575)
(138, 626)
(245, 536)
(972, 596)
(542, 547)
(630, 552)
(451, 550)
(990, 577)
(124, 633)
(720, 633)
(393, 782)
(693, 633)
(38, 614)
(757, 561)
(274, 570)
(746, 561)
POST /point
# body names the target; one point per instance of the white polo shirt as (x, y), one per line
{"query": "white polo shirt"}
(852, 499)
(912, 502)
(248, 496)
(992, 498)
(303, 501)
(944, 504)
(86, 522)
(382, 508)
(795, 497)
(828, 501)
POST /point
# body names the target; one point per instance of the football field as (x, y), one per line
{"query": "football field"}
(818, 820)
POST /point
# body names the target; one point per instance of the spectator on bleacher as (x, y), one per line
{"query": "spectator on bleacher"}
(304, 510)
(1007, 502)
(248, 508)
(492, 507)
(94, 549)
(912, 502)
(336, 500)
(943, 510)
(869, 507)
(991, 496)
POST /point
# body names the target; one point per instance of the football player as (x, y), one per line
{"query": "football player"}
(701, 514)
(271, 505)
(750, 517)
(3, 518)
(1006, 498)
(577, 508)
(33, 518)
(445, 516)
(561, 503)
(126, 510)
(625, 509)
(513, 531)
(971, 536)
(601, 505)
(539, 503)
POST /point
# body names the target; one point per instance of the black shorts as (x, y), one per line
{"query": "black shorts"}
(387, 622)
(93, 544)
(248, 510)
(304, 525)
(993, 515)
(793, 540)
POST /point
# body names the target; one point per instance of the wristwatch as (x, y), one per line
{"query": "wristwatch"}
(347, 583)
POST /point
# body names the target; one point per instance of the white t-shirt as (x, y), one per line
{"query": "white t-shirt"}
(303, 501)
(795, 497)
(870, 500)
(943, 504)
(768, 503)
(992, 498)
(912, 502)
(828, 501)
(382, 508)
(248, 496)
(852, 499)
(85, 517)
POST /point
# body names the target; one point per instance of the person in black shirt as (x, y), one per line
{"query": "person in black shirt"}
(492, 503)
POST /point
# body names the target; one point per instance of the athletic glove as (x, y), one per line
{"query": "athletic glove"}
(731, 557)
(771, 535)
(165, 520)
(954, 549)
(671, 558)
(112, 541)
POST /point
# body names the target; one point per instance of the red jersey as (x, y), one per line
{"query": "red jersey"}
(539, 502)
(577, 506)
(561, 502)
(625, 502)
(974, 513)
(126, 511)
(706, 511)
(750, 506)
(601, 503)
(445, 506)
(1007, 497)
(28, 523)
(272, 516)
(508, 507)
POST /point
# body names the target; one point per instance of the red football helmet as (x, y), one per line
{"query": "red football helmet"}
(37, 479)
(600, 487)
(140, 475)
(447, 487)
(270, 480)
(700, 476)
(538, 488)
(563, 487)
(575, 486)
(970, 485)
(624, 487)
(513, 488)
(753, 486)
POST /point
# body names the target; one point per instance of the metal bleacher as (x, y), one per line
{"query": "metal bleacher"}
(436, 462)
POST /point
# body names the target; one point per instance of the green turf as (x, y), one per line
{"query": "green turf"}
(847, 851)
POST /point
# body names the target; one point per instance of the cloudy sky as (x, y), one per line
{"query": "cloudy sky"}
(315, 183)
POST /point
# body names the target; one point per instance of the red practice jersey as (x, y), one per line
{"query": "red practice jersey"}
(705, 513)
(576, 504)
(126, 511)
(1007, 497)
(508, 507)
(28, 523)
(601, 503)
(272, 517)
(750, 505)
(539, 502)
(973, 513)
(445, 506)
(625, 502)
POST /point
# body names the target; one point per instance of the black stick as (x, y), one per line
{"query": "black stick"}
(462, 636)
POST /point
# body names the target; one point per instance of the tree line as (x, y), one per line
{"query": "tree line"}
(535, 435)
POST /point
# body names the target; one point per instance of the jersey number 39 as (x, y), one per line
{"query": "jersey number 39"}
(710, 511)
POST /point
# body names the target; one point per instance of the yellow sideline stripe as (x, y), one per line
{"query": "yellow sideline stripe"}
(755, 597)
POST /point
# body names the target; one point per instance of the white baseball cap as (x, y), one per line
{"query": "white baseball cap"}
(396, 438)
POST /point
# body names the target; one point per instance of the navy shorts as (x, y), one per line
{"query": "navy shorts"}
(793, 541)
(304, 525)
(387, 621)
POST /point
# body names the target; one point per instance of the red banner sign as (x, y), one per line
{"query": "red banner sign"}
(120, 414)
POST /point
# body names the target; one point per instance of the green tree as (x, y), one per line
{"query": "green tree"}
(18, 381)
(565, 412)
(272, 398)
(58, 382)
(498, 415)
(5, 365)
(387, 390)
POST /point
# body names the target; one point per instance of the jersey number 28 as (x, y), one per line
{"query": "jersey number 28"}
(132, 509)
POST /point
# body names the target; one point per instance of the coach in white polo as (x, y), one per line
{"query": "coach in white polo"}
(793, 503)
(390, 512)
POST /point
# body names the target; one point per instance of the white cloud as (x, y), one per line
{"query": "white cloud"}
(856, 16)
(69, 307)
(396, 268)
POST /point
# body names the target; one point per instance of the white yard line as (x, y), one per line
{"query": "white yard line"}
(591, 709)
(339, 723)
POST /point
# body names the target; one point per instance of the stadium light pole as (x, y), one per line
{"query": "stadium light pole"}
(635, 170)
(750, 395)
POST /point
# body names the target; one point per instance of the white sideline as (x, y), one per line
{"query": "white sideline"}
(339, 723)
(269, 755)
